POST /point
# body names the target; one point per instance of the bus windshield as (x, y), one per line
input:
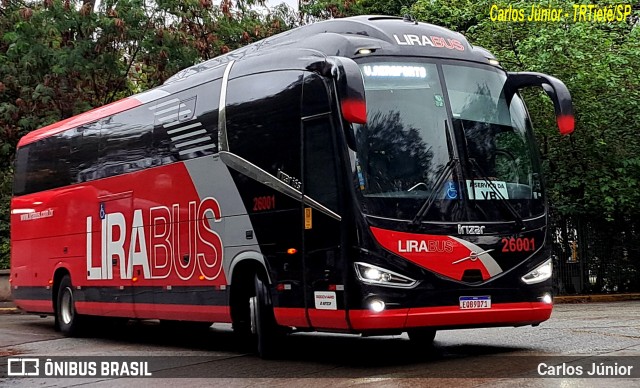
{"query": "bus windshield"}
(403, 151)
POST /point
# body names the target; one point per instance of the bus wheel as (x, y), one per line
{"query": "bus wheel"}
(68, 319)
(422, 337)
(263, 322)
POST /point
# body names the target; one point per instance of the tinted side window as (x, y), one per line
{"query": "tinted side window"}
(125, 143)
(315, 96)
(320, 181)
(42, 165)
(84, 164)
(186, 124)
(263, 120)
(20, 175)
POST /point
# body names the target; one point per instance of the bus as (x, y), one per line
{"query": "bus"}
(370, 175)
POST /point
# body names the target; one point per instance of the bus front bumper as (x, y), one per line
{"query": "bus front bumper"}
(451, 317)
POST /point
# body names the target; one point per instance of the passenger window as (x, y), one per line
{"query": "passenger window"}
(320, 181)
(125, 144)
(263, 121)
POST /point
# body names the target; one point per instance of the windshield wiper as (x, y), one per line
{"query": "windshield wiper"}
(516, 217)
(426, 206)
(434, 192)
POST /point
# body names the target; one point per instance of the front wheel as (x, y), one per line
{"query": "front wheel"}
(67, 318)
(263, 322)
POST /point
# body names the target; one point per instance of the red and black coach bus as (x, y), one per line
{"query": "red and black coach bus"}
(367, 175)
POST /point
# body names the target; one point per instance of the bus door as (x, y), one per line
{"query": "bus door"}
(322, 221)
(116, 218)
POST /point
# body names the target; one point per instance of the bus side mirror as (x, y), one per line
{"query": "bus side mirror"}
(350, 89)
(556, 90)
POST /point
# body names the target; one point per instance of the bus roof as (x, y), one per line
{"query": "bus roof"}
(383, 35)
(353, 37)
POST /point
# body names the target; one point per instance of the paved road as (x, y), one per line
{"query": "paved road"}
(576, 335)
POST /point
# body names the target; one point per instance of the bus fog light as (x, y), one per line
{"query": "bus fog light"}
(539, 274)
(376, 305)
(546, 298)
(371, 274)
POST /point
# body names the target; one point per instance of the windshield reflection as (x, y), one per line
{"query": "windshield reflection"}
(403, 149)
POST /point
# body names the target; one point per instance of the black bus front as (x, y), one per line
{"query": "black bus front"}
(447, 178)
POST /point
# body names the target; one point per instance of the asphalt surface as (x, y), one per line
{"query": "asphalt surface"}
(578, 334)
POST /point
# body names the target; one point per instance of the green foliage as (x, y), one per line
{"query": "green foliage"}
(595, 170)
(59, 58)
(314, 10)
(386, 7)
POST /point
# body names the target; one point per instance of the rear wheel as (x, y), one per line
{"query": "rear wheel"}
(422, 337)
(68, 320)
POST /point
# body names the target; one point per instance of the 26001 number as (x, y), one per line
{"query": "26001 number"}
(518, 244)
(264, 203)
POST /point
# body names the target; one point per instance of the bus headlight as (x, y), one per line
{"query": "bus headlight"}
(371, 274)
(539, 274)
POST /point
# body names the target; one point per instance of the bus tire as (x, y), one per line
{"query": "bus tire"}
(263, 322)
(68, 320)
(422, 337)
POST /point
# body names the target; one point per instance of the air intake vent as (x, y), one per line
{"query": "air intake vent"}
(472, 276)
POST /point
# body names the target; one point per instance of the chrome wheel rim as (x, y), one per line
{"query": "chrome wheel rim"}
(66, 306)
(252, 311)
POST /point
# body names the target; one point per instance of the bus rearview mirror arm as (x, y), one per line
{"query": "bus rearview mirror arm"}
(349, 88)
(554, 88)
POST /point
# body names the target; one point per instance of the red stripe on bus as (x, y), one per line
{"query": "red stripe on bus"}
(35, 306)
(83, 118)
(387, 319)
(290, 316)
(157, 311)
(328, 319)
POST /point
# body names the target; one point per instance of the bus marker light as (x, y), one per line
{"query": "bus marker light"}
(292, 251)
(365, 51)
(566, 124)
(135, 279)
(201, 277)
(354, 111)
(50, 281)
(283, 287)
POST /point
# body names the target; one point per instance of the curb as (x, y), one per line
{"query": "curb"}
(8, 307)
(596, 298)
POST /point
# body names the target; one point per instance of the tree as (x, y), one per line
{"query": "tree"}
(596, 169)
(592, 175)
(59, 58)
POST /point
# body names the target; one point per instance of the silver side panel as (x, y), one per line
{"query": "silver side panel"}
(211, 178)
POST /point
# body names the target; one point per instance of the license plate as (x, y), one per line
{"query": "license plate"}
(475, 302)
